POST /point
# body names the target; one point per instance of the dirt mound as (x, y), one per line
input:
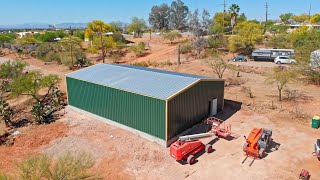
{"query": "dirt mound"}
(28, 143)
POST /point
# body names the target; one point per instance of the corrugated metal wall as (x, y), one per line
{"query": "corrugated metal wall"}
(139, 112)
(192, 105)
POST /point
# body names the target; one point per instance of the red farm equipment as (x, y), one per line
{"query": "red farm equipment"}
(186, 147)
(217, 129)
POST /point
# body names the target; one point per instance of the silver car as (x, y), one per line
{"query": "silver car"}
(284, 60)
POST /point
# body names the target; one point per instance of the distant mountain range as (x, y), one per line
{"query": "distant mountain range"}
(44, 26)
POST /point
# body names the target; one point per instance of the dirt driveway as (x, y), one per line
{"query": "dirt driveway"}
(124, 155)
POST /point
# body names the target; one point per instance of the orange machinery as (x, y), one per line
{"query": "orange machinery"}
(257, 142)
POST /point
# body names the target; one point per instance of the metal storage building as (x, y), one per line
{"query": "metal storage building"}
(159, 103)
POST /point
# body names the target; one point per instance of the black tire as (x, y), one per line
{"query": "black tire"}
(208, 148)
(261, 153)
(278, 62)
(191, 160)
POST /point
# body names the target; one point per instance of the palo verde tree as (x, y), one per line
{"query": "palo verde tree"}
(220, 21)
(30, 84)
(315, 19)
(248, 35)
(217, 65)
(234, 12)
(286, 17)
(95, 29)
(281, 76)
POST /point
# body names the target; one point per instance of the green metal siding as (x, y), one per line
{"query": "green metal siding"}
(193, 105)
(139, 112)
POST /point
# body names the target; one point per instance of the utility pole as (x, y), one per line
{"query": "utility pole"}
(179, 52)
(102, 44)
(310, 12)
(224, 12)
(71, 48)
(265, 26)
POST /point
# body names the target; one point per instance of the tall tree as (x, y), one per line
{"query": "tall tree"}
(159, 17)
(178, 15)
(97, 28)
(248, 35)
(286, 17)
(206, 20)
(219, 24)
(194, 23)
(137, 26)
(234, 12)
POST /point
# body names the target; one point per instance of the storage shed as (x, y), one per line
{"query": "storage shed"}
(157, 103)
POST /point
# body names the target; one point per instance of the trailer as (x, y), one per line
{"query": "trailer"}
(270, 54)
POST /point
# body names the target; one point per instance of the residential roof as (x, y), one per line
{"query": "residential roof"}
(155, 83)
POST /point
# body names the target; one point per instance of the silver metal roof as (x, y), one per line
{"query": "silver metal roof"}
(145, 81)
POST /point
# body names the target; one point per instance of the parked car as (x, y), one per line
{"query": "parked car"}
(284, 60)
(239, 59)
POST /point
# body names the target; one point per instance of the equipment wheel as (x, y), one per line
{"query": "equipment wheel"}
(191, 160)
(261, 153)
(208, 148)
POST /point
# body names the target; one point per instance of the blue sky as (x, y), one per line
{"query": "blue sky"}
(57, 11)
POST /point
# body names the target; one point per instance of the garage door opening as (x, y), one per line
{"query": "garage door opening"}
(213, 107)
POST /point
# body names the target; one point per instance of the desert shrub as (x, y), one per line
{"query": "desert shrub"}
(167, 63)
(69, 166)
(217, 41)
(52, 57)
(115, 58)
(6, 112)
(185, 48)
(138, 49)
(172, 35)
(142, 64)
(247, 91)
(199, 46)
(46, 48)
(92, 50)
(3, 176)
(313, 76)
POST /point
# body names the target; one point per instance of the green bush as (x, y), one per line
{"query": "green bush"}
(217, 41)
(7, 37)
(138, 49)
(53, 57)
(172, 35)
(68, 167)
(185, 48)
(92, 50)
(46, 48)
